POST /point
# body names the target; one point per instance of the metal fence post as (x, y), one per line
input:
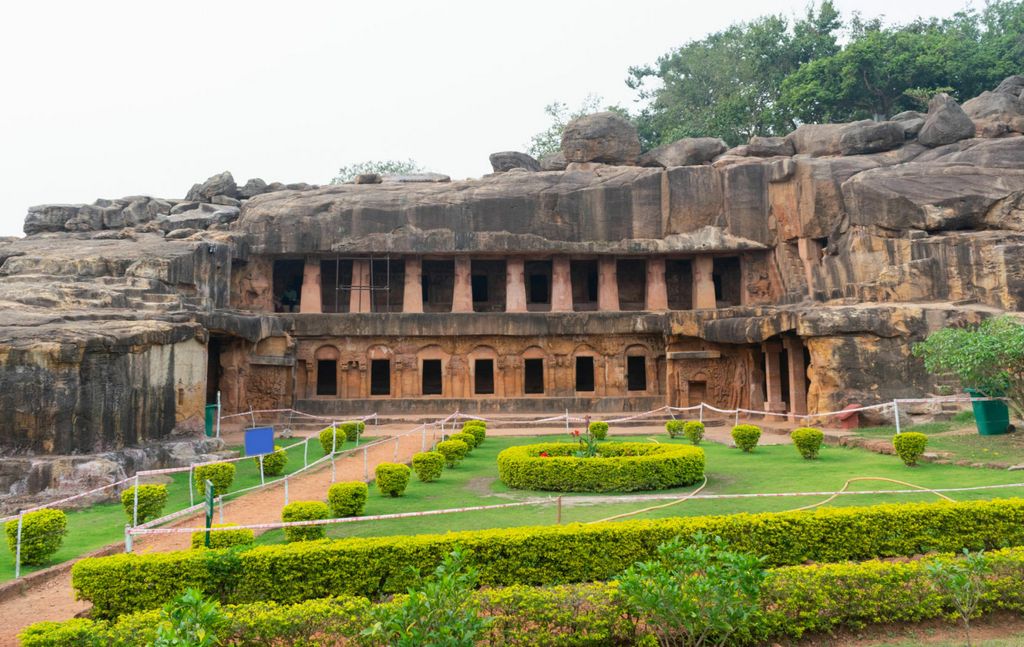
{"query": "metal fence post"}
(127, 539)
(737, 419)
(701, 407)
(220, 500)
(286, 489)
(334, 468)
(135, 505)
(305, 453)
(896, 411)
(397, 442)
(263, 480)
(17, 548)
(218, 414)
(191, 492)
(423, 443)
(366, 465)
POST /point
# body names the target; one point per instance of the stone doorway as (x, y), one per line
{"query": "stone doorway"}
(697, 393)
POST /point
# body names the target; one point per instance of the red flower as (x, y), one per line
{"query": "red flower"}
(575, 432)
(544, 454)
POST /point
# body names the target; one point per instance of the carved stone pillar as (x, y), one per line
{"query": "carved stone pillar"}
(309, 299)
(561, 285)
(703, 283)
(797, 375)
(657, 290)
(515, 285)
(412, 297)
(773, 377)
(607, 285)
(360, 297)
(462, 297)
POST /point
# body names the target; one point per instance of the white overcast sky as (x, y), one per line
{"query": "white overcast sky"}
(107, 99)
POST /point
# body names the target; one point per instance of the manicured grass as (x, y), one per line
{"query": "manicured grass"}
(102, 524)
(767, 469)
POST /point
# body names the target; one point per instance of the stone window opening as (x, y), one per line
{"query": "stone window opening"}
(632, 283)
(585, 374)
(533, 376)
(679, 284)
(380, 377)
(636, 373)
(584, 285)
(287, 281)
(438, 283)
(333, 274)
(538, 285)
(327, 377)
(483, 377)
(431, 381)
(728, 281)
(487, 282)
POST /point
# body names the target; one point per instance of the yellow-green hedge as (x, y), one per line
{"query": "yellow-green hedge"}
(794, 600)
(539, 555)
(618, 467)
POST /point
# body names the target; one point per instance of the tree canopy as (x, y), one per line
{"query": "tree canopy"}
(766, 76)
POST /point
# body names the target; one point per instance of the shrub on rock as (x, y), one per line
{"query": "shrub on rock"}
(807, 441)
(221, 474)
(305, 511)
(598, 429)
(152, 499)
(347, 499)
(909, 446)
(274, 462)
(42, 533)
(428, 465)
(392, 478)
(453, 451)
(224, 538)
(746, 436)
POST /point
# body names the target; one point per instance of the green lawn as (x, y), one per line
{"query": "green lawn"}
(767, 469)
(102, 524)
(959, 440)
(1015, 640)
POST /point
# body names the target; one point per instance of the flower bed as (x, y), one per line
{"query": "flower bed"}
(617, 467)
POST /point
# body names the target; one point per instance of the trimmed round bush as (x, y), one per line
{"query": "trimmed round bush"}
(746, 436)
(474, 423)
(618, 467)
(305, 511)
(221, 474)
(392, 478)
(807, 441)
(428, 465)
(674, 428)
(224, 538)
(475, 428)
(465, 437)
(453, 451)
(42, 533)
(353, 430)
(909, 446)
(327, 439)
(347, 499)
(274, 462)
(152, 499)
(694, 431)
(598, 429)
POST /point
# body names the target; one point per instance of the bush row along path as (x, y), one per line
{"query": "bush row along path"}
(54, 599)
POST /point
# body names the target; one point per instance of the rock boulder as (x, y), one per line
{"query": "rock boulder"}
(946, 122)
(770, 146)
(690, 151)
(508, 160)
(221, 184)
(601, 137)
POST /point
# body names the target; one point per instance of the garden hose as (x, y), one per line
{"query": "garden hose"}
(655, 507)
(869, 478)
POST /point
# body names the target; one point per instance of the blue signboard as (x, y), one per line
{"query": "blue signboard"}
(259, 440)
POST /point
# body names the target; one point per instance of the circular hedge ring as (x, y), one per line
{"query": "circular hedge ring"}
(618, 467)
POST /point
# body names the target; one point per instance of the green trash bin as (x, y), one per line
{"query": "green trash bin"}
(211, 418)
(991, 416)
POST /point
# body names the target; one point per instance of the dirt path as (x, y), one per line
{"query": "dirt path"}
(54, 599)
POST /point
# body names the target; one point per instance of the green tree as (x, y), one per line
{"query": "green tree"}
(988, 358)
(885, 69)
(381, 167)
(727, 84)
(190, 621)
(963, 582)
